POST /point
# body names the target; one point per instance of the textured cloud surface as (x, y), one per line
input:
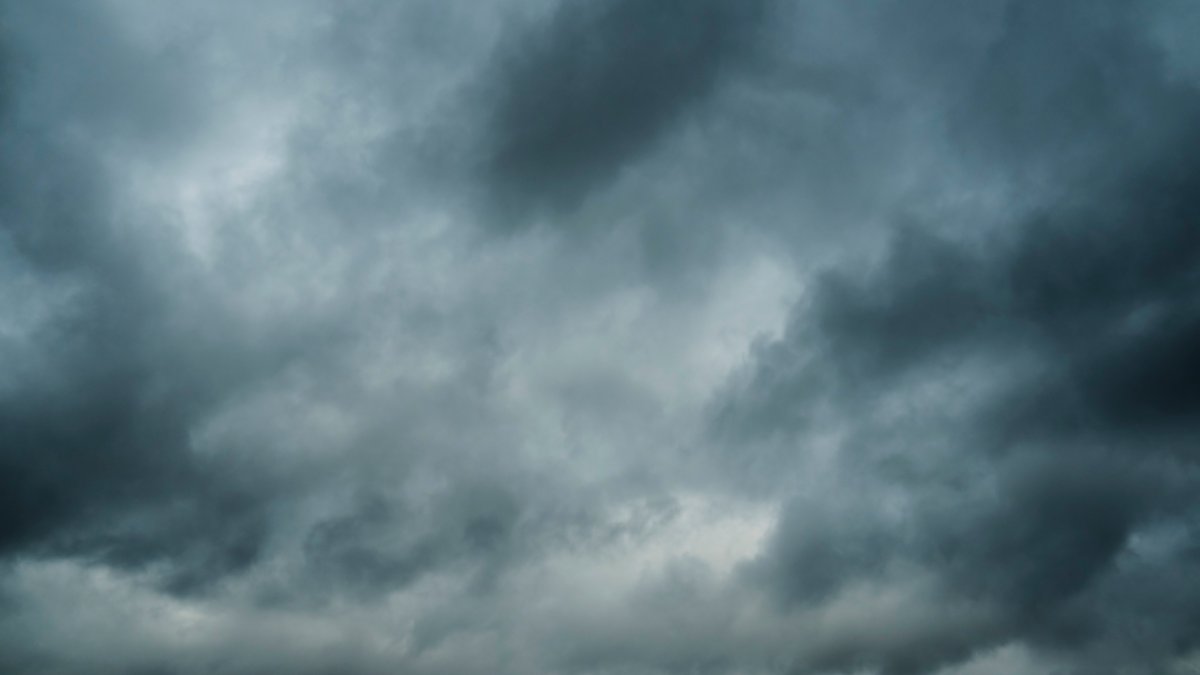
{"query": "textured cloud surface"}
(600, 337)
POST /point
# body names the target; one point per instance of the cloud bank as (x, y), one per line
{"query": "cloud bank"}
(610, 337)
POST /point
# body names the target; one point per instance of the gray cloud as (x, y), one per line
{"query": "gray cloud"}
(95, 423)
(1029, 494)
(617, 337)
(591, 91)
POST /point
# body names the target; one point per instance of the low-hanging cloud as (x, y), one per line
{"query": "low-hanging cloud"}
(612, 337)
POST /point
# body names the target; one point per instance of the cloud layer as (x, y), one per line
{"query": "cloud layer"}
(605, 337)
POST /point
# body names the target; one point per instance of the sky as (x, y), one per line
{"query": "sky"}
(600, 337)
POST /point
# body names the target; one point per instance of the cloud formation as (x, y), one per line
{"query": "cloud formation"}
(594, 88)
(606, 337)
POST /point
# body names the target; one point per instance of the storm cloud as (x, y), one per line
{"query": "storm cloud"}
(599, 337)
(592, 90)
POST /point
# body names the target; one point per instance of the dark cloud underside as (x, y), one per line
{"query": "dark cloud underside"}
(1039, 493)
(594, 89)
(853, 337)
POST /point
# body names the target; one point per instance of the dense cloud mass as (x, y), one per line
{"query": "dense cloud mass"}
(605, 337)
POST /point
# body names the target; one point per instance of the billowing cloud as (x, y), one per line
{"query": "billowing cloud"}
(605, 337)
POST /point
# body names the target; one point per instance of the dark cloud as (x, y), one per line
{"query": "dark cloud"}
(1073, 85)
(96, 459)
(865, 338)
(1028, 495)
(590, 91)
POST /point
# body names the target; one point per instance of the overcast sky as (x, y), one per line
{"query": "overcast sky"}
(600, 337)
